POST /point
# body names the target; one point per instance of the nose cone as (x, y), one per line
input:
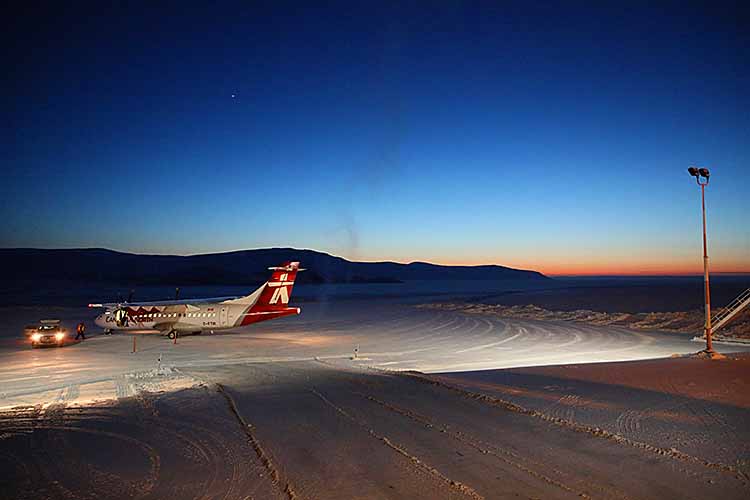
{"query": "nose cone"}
(99, 321)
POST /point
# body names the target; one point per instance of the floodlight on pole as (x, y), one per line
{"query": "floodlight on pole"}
(703, 173)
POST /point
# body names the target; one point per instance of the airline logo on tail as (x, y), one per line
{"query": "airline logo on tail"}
(281, 292)
(278, 288)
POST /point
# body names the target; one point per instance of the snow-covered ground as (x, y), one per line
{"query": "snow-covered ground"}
(397, 337)
(281, 410)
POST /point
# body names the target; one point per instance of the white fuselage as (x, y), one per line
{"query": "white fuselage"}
(208, 316)
(269, 301)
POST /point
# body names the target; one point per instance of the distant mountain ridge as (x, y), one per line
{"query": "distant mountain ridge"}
(228, 268)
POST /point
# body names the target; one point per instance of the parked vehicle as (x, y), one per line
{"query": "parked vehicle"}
(49, 332)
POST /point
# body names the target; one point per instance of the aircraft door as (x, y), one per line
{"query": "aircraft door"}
(223, 316)
(121, 317)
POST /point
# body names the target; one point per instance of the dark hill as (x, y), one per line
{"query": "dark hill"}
(229, 268)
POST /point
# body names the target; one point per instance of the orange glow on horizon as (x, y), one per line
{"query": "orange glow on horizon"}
(628, 267)
(616, 266)
(573, 261)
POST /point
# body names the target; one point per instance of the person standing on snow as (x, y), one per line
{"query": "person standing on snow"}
(80, 331)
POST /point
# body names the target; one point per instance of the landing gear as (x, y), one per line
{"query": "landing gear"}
(172, 335)
(107, 331)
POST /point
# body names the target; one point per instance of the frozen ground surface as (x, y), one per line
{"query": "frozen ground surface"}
(281, 411)
(698, 406)
(398, 337)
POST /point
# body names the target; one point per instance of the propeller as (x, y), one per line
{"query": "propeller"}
(130, 295)
(177, 293)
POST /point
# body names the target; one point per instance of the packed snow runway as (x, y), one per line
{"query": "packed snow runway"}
(285, 410)
(323, 429)
(388, 336)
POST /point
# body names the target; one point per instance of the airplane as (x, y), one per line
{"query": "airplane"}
(176, 317)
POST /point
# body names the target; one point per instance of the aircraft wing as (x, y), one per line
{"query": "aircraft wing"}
(180, 302)
(165, 327)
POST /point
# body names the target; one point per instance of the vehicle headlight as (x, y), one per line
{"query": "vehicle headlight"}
(59, 336)
(36, 336)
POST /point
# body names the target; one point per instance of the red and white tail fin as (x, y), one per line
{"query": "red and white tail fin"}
(271, 300)
(278, 289)
(274, 293)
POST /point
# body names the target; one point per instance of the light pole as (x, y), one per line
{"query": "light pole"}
(701, 177)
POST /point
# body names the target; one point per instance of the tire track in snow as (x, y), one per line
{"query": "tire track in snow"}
(582, 428)
(225, 464)
(629, 421)
(492, 344)
(484, 448)
(144, 486)
(501, 454)
(565, 406)
(416, 461)
(288, 490)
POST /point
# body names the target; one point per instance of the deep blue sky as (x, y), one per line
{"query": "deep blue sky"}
(547, 137)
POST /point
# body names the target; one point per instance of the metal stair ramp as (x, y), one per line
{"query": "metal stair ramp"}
(731, 310)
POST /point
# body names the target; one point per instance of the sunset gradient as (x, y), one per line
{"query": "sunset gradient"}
(545, 137)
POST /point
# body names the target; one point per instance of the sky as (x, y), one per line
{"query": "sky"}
(554, 136)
